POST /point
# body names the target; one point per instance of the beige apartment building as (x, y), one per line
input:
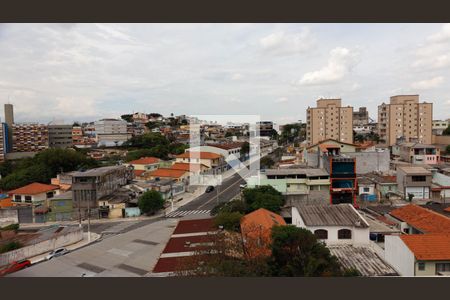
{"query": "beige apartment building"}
(404, 117)
(329, 120)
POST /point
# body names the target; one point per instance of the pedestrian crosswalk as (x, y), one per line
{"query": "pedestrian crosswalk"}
(182, 213)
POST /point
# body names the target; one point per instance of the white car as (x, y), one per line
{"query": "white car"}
(243, 186)
(56, 253)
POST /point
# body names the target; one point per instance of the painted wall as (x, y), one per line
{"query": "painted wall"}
(398, 255)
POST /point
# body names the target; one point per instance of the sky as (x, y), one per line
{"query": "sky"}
(84, 72)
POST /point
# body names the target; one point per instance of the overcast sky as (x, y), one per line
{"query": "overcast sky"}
(89, 71)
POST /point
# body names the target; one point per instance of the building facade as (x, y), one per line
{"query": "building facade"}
(329, 120)
(60, 136)
(414, 180)
(29, 137)
(361, 117)
(111, 132)
(404, 117)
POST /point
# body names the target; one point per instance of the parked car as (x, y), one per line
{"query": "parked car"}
(56, 253)
(209, 189)
(15, 266)
(243, 186)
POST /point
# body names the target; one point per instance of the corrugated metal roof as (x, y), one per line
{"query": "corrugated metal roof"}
(331, 215)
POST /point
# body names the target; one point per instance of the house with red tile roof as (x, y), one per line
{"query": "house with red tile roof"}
(209, 159)
(256, 230)
(419, 254)
(144, 163)
(167, 173)
(416, 219)
(33, 193)
(193, 168)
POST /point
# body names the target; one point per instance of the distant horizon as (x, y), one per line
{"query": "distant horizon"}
(86, 72)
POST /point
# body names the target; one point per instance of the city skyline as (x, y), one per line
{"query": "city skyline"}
(84, 72)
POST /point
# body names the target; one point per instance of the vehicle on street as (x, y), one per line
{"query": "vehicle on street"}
(56, 253)
(243, 186)
(15, 266)
(209, 189)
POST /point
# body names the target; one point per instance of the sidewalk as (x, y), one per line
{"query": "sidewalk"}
(84, 242)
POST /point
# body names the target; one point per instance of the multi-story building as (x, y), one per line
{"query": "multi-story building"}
(265, 128)
(405, 118)
(60, 136)
(9, 120)
(416, 153)
(361, 117)
(91, 185)
(29, 137)
(3, 140)
(329, 120)
(111, 132)
(414, 180)
(439, 126)
(77, 135)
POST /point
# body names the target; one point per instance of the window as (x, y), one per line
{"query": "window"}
(421, 266)
(366, 190)
(28, 199)
(418, 178)
(321, 234)
(344, 234)
(17, 198)
(442, 267)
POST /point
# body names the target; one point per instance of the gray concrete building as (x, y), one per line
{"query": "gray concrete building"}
(9, 120)
(414, 180)
(60, 136)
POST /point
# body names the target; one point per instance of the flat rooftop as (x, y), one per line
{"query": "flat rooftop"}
(97, 171)
(305, 171)
(414, 170)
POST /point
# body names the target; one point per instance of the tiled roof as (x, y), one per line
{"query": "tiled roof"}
(138, 173)
(34, 188)
(422, 219)
(331, 215)
(447, 209)
(188, 243)
(202, 155)
(163, 172)
(428, 246)
(6, 202)
(187, 167)
(169, 264)
(262, 218)
(194, 226)
(145, 161)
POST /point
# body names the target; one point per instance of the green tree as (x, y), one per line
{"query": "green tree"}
(446, 131)
(229, 220)
(447, 149)
(245, 149)
(235, 205)
(150, 202)
(127, 117)
(148, 140)
(297, 252)
(266, 162)
(263, 197)
(177, 148)
(359, 138)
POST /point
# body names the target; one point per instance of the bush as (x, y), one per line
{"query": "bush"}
(10, 246)
(150, 202)
(231, 206)
(263, 197)
(14, 227)
(229, 220)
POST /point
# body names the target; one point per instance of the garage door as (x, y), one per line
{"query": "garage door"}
(419, 192)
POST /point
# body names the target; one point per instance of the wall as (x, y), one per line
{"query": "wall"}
(8, 216)
(62, 240)
(367, 162)
(132, 212)
(430, 268)
(441, 139)
(398, 255)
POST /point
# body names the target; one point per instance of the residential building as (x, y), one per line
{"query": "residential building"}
(211, 160)
(366, 189)
(91, 185)
(416, 153)
(439, 126)
(3, 140)
(63, 180)
(256, 230)
(385, 186)
(265, 128)
(114, 205)
(329, 120)
(414, 219)
(333, 224)
(167, 173)
(414, 180)
(143, 164)
(9, 120)
(419, 254)
(360, 117)
(404, 117)
(33, 194)
(140, 118)
(60, 208)
(299, 184)
(60, 136)
(29, 137)
(111, 132)
(365, 128)
(167, 187)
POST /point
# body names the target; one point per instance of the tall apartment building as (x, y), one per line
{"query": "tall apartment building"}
(3, 140)
(361, 117)
(329, 120)
(9, 120)
(29, 137)
(60, 136)
(111, 132)
(405, 118)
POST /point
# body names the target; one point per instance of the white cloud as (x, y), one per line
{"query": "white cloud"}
(441, 36)
(433, 62)
(237, 76)
(282, 43)
(428, 84)
(281, 100)
(340, 63)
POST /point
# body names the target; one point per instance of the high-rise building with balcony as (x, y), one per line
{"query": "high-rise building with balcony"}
(29, 137)
(329, 120)
(406, 119)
